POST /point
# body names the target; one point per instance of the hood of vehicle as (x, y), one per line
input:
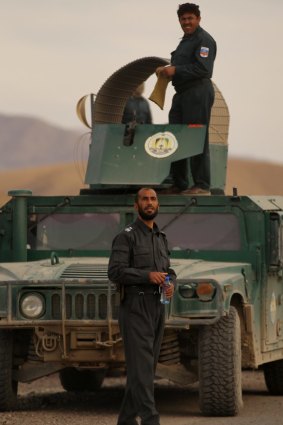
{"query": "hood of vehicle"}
(189, 269)
(66, 268)
(96, 269)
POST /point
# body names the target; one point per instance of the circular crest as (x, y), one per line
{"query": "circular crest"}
(161, 145)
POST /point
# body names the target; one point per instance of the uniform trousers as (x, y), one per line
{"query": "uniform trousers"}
(141, 321)
(193, 106)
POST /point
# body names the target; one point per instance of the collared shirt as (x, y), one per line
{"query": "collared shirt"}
(137, 109)
(136, 251)
(193, 58)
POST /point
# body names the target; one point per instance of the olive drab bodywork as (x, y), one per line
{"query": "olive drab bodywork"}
(59, 311)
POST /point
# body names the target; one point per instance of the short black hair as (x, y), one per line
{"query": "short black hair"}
(188, 8)
(137, 196)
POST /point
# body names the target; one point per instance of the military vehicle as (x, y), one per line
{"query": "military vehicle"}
(59, 311)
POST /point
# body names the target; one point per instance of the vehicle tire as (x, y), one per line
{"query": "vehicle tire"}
(8, 387)
(76, 380)
(220, 387)
(273, 375)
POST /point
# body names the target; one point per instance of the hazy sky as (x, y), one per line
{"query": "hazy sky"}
(55, 51)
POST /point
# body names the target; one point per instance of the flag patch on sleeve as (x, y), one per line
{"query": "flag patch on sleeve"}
(204, 52)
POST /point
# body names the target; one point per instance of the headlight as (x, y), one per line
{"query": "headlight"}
(32, 306)
(188, 290)
(204, 291)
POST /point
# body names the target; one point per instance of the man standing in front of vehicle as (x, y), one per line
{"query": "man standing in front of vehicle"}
(139, 264)
(191, 71)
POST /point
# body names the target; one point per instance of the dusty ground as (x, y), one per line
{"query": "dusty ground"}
(45, 402)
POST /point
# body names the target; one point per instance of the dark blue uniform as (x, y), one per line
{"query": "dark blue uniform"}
(137, 109)
(192, 103)
(136, 251)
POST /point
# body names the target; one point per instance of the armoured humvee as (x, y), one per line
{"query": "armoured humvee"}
(59, 311)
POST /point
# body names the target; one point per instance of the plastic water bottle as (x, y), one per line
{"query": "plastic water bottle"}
(163, 298)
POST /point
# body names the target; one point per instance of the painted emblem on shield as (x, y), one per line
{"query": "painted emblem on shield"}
(204, 52)
(161, 145)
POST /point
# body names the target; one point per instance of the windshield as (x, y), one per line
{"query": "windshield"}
(73, 231)
(208, 231)
(95, 231)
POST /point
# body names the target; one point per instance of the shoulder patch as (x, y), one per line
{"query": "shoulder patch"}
(204, 51)
(128, 229)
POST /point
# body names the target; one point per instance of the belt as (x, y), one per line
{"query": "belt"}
(189, 84)
(142, 289)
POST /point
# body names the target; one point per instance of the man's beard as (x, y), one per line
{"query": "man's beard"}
(146, 216)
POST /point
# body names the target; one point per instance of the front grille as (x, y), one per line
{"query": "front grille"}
(103, 306)
(86, 304)
(83, 306)
(91, 306)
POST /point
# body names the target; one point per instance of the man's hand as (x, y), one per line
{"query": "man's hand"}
(157, 277)
(169, 290)
(166, 71)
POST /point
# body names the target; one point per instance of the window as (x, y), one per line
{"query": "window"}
(73, 231)
(201, 231)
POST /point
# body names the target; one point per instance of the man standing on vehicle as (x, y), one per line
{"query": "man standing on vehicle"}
(137, 108)
(191, 71)
(139, 263)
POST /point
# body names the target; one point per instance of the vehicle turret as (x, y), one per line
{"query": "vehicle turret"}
(130, 155)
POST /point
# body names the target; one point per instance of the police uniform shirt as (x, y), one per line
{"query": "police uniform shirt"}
(193, 58)
(136, 251)
(137, 109)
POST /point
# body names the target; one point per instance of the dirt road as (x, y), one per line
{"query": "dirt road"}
(44, 402)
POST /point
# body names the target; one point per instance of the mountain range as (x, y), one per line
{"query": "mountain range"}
(50, 160)
(27, 141)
